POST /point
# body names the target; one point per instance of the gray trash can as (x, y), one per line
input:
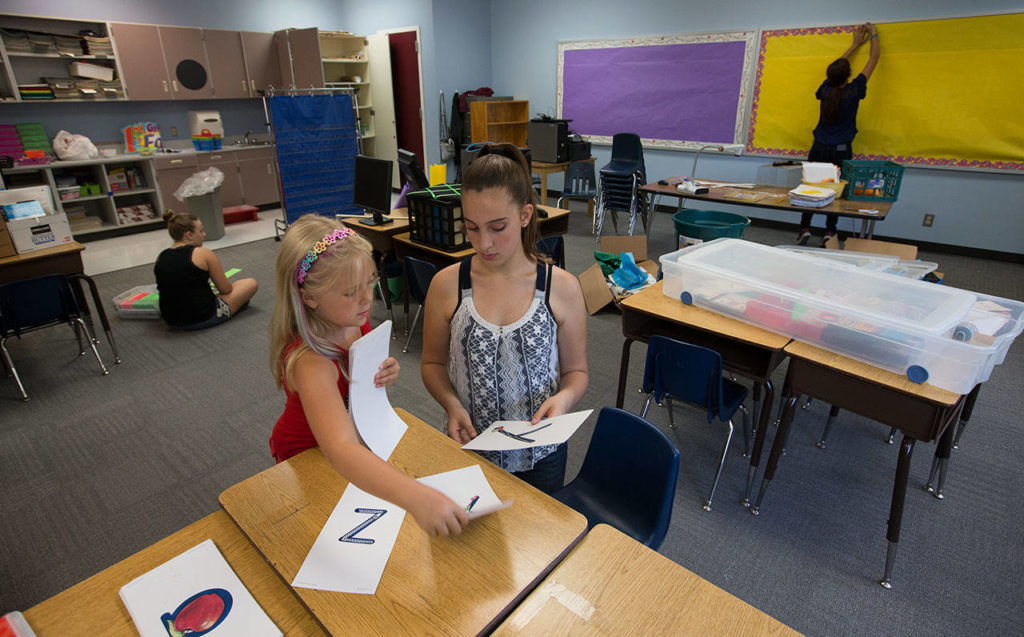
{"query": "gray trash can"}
(207, 208)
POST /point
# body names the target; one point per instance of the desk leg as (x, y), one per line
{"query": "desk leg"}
(863, 229)
(544, 189)
(623, 372)
(789, 401)
(965, 415)
(832, 413)
(899, 494)
(940, 463)
(871, 228)
(763, 418)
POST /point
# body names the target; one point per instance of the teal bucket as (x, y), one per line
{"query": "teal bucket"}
(709, 224)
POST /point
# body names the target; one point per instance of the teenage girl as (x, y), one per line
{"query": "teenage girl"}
(183, 274)
(504, 333)
(325, 278)
(837, 123)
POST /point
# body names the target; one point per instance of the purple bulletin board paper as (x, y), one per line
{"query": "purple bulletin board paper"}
(682, 92)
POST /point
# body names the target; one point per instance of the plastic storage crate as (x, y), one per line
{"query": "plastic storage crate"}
(948, 337)
(872, 180)
(709, 224)
(435, 217)
(140, 302)
(912, 269)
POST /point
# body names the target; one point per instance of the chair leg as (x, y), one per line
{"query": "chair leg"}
(832, 413)
(14, 370)
(647, 403)
(95, 352)
(668, 406)
(721, 464)
(78, 336)
(409, 338)
(387, 303)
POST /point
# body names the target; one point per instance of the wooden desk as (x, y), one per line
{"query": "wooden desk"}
(94, 607)
(631, 590)
(544, 168)
(448, 586)
(63, 259)
(778, 199)
(921, 412)
(380, 237)
(747, 350)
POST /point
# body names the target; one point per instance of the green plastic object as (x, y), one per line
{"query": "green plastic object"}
(709, 224)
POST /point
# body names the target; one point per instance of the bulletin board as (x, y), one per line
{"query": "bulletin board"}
(680, 91)
(945, 93)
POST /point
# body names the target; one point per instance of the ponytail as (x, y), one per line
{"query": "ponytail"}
(837, 73)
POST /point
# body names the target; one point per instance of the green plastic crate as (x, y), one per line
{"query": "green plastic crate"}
(872, 180)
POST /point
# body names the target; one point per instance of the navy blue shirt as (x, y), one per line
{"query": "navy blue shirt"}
(844, 129)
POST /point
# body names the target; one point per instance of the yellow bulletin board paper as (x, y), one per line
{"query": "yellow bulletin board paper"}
(944, 93)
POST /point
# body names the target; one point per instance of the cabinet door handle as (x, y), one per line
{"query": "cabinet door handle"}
(174, 83)
(252, 85)
(164, 82)
(244, 87)
(177, 161)
(213, 157)
(270, 170)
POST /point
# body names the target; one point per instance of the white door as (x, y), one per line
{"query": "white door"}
(385, 140)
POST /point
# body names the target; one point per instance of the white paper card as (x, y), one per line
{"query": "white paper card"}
(195, 591)
(551, 431)
(353, 548)
(463, 486)
(371, 411)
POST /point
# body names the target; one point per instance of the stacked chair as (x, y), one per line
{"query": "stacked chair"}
(619, 188)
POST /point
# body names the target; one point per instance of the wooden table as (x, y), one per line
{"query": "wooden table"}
(750, 351)
(545, 168)
(380, 237)
(94, 607)
(446, 586)
(62, 259)
(777, 199)
(618, 586)
(920, 411)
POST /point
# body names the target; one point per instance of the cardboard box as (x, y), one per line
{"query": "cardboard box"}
(39, 232)
(6, 243)
(596, 293)
(901, 250)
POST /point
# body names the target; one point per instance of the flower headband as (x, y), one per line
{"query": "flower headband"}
(318, 249)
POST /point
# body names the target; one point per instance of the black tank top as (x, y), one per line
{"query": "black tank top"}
(185, 293)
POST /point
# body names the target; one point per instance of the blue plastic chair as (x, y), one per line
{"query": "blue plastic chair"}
(619, 188)
(552, 247)
(628, 478)
(33, 304)
(418, 275)
(580, 183)
(693, 374)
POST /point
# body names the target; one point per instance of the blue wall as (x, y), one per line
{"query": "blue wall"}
(979, 210)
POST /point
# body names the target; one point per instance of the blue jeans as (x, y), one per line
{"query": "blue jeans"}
(548, 474)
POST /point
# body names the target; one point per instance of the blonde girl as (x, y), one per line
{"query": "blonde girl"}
(504, 333)
(325, 277)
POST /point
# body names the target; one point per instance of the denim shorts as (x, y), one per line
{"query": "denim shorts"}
(222, 312)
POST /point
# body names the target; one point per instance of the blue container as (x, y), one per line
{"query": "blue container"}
(206, 143)
(709, 224)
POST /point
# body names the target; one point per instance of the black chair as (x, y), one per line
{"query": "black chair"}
(693, 374)
(580, 184)
(418, 275)
(32, 304)
(619, 188)
(553, 247)
(628, 478)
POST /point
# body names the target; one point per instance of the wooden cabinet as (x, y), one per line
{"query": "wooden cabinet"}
(143, 72)
(170, 173)
(227, 63)
(262, 65)
(499, 122)
(257, 170)
(231, 188)
(185, 62)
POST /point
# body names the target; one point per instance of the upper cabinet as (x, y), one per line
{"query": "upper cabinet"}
(227, 63)
(262, 66)
(185, 61)
(142, 62)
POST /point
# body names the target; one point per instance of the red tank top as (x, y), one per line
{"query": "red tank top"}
(291, 433)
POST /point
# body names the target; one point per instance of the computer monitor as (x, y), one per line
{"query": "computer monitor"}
(411, 171)
(372, 190)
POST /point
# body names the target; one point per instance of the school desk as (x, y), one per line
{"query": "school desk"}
(750, 351)
(460, 585)
(778, 199)
(613, 585)
(544, 168)
(94, 607)
(378, 236)
(920, 411)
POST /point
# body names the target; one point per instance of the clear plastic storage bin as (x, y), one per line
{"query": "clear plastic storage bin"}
(912, 269)
(946, 336)
(140, 302)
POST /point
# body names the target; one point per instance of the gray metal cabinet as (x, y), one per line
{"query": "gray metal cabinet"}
(227, 63)
(140, 57)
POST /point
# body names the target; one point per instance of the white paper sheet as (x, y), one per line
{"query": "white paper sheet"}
(371, 411)
(202, 573)
(555, 431)
(353, 548)
(465, 484)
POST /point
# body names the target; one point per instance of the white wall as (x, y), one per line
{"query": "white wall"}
(978, 210)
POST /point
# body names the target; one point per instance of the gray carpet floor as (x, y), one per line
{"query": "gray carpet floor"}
(96, 468)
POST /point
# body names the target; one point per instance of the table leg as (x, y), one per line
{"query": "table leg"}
(789, 400)
(544, 189)
(899, 494)
(871, 228)
(940, 463)
(863, 229)
(623, 372)
(764, 417)
(965, 415)
(756, 400)
(832, 413)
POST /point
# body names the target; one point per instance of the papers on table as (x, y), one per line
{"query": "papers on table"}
(353, 548)
(371, 411)
(463, 485)
(195, 591)
(520, 434)
(811, 196)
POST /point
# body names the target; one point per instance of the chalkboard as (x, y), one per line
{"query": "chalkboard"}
(945, 93)
(680, 91)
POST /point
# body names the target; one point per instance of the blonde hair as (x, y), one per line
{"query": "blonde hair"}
(178, 223)
(347, 258)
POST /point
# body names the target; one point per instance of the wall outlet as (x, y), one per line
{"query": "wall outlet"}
(928, 220)
(174, 131)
